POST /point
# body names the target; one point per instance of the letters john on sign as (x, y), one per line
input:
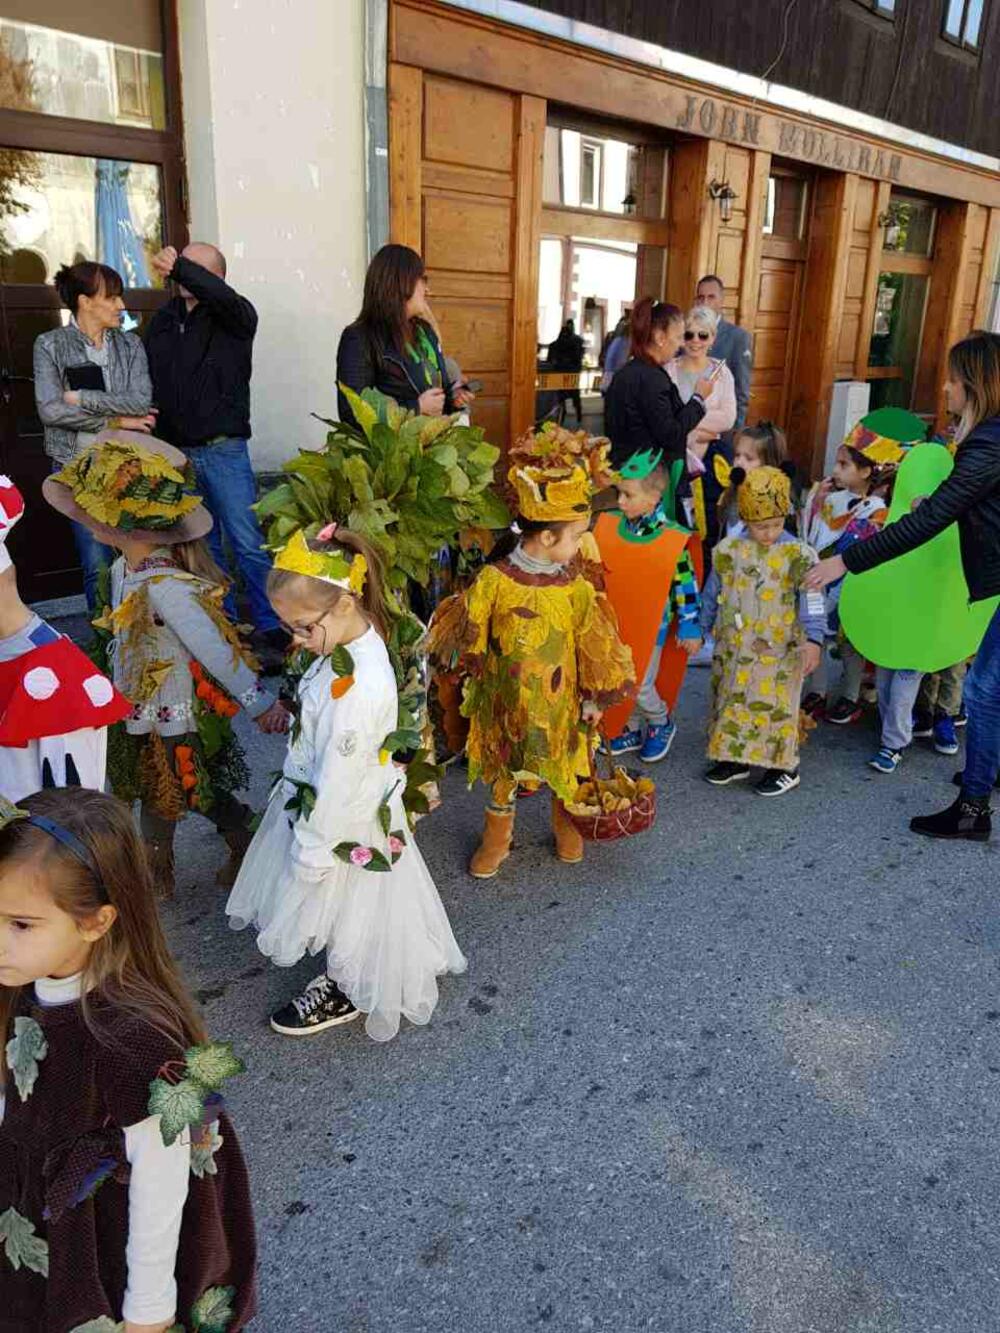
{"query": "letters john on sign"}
(719, 120)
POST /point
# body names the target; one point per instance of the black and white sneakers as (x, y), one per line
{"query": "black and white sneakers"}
(322, 1005)
(724, 772)
(778, 781)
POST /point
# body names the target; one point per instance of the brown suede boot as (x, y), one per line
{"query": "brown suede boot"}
(160, 858)
(494, 849)
(237, 840)
(569, 843)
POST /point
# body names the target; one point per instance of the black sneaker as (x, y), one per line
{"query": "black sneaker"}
(778, 781)
(923, 726)
(322, 1005)
(723, 773)
(844, 712)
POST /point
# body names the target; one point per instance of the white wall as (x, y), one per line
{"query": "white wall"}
(274, 127)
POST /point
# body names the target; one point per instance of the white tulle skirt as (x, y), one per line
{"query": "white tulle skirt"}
(386, 935)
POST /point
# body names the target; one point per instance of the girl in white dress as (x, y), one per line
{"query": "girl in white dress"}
(334, 865)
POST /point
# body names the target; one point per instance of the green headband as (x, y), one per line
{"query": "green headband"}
(639, 466)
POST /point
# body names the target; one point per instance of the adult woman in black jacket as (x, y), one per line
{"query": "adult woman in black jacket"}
(970, 496)
(643, 410)
(392, 345)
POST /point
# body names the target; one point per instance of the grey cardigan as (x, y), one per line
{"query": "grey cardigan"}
(128, 391)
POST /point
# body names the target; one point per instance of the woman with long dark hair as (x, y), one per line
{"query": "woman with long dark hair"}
(643, 411)
(970, 496)
(393, 345)
(90, 375)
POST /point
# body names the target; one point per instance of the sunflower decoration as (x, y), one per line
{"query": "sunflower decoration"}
(128, 488)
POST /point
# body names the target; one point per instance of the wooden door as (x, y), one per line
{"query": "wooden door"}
(782, 267)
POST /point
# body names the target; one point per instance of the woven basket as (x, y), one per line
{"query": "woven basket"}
(615, 824)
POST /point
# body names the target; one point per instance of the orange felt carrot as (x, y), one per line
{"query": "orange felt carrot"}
(189, 781)
(340, 686)
(196, 671)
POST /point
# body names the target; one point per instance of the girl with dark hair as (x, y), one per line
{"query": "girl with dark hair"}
(970, 497)
(643, 411)
(90, 375)
(393, 345)
(127, 1211)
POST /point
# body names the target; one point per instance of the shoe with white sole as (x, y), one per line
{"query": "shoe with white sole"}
(886, 761)
(659, 738)
(725, 772)
(321, 1005)
(778, 781)
(945, 736)
(626, 742)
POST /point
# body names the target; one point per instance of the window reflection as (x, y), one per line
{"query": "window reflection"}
(608, 175)
(57, 209)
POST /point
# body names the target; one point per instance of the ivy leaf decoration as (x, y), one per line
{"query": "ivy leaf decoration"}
(177, 1104)
(21, 1245)
(213, 1310)
(212, 1063)
(10, 813)
(342, 661)
(102, 1325)
(203, 1152)
(24, 1050)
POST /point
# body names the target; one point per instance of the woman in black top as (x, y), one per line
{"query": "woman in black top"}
(970, 497)
(643, 410)
(392, 346)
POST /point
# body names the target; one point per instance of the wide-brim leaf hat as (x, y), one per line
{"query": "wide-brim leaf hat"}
(128, 484)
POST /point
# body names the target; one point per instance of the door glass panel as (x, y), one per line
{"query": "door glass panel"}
(899, 316)
(785, 212)
(909, 226)
(609, 175)
(56, 209)
(66, 73)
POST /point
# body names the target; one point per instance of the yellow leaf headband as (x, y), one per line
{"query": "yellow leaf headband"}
(327, 566)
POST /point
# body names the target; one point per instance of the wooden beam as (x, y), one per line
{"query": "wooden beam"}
(530, 119)
(991, 254)
(873, 267)
(951, 252)
(690, 223)
(760, 172)
(406, 110)
(602, 226)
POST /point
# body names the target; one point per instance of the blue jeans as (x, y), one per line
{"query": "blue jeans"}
(226, 483)
(94, 555)
(982, 702)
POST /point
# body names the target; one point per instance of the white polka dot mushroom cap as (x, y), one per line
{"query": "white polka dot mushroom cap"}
(99, 690)
(41, 683)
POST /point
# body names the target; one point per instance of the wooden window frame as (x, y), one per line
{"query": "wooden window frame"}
(958, 43)
(594, 146)
(164, 149)
(881, 9)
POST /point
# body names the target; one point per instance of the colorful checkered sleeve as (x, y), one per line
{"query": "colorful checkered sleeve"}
(685, 598)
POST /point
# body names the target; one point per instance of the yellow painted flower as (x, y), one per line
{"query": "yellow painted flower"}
(776, 560)
(789, 617)
(742, 677)
(767, 594)
(766, 686)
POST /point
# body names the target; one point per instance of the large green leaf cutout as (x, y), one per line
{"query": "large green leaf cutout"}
(24, 1050)
(21, 1245)
(913, 613)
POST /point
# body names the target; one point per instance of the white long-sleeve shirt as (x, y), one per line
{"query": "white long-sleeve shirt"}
(157, 1192)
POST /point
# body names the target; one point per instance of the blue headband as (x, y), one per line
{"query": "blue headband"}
(72, 843)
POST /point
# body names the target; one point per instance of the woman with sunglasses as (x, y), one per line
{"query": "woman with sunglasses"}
(693, 367)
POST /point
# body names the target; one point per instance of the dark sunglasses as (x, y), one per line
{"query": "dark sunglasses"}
(691, 334)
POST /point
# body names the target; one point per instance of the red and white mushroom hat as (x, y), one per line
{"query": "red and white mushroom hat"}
(11, 509)
(53, 690)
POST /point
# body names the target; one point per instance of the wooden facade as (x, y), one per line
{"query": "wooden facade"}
(469, 99)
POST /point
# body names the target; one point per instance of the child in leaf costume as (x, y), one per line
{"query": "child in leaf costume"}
(538, 646)
(172, 650)
(334, 866)
(123, 1192)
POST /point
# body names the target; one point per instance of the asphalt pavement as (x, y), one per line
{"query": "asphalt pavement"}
(736, 1075)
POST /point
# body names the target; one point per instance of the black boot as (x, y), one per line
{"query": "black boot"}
(968, 818)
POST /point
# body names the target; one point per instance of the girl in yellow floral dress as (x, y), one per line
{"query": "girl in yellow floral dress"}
(768, 637)
(538, 646)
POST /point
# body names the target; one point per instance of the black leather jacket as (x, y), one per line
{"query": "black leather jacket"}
(365, 363)
(970, 497)
(643, 410)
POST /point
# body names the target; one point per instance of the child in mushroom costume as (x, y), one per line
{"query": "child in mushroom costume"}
(55, 706)
(537, 644)
(172, 649)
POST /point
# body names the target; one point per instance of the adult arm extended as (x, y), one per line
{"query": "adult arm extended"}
(234, 312)
(976, 475)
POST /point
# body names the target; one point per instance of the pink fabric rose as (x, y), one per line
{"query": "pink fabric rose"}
(395, 845)
(360, 856)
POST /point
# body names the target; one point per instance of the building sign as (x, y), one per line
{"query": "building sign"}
(758, 129)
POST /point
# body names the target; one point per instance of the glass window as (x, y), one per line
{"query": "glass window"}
(56, 209)
(84, 77)
(610, 175)
(909, 226)
(885, 8)
(785, 211)
(895, 341)
(963, 20)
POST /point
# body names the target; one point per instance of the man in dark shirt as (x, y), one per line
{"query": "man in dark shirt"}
(199, 347)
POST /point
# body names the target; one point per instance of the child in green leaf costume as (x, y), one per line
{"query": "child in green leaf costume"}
(333, 866)
(124, 1200)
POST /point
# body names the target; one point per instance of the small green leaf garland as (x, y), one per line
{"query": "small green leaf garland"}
(203, 1152)
(372, 858)
(21, 1245)
(24, 1050)
(180, 1101)
(302, 802)
(211, 1313)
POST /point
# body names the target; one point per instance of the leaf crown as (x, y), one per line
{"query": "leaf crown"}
(333, 566)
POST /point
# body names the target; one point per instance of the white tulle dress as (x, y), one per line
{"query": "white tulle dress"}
(308, 883)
